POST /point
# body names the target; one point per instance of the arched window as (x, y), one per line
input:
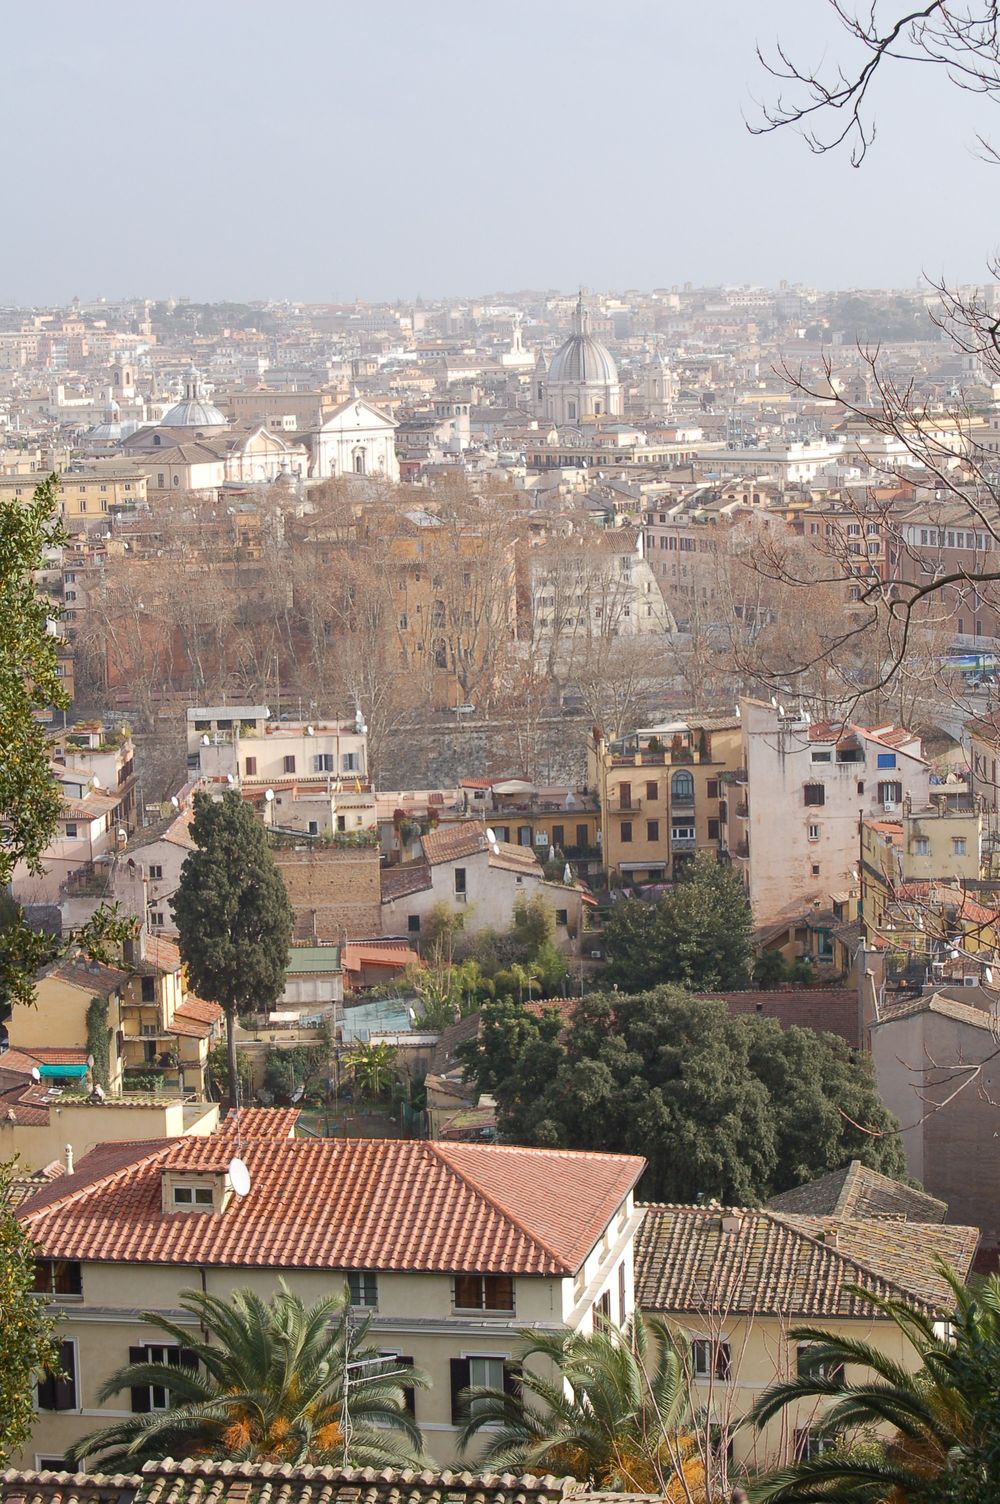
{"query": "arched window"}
(571, 409)
(359, 462)
(682, 787)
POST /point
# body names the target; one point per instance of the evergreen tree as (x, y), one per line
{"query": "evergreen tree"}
(234, 920)
(698, 934)
(26, 1344)
(721, 1106)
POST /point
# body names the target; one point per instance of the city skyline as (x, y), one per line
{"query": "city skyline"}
(242, 159)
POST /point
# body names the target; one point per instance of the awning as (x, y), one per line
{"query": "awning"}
(62, 1072)
(642, 866)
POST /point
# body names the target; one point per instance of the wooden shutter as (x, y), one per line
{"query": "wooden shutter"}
(141, 1404)
(460, 1379)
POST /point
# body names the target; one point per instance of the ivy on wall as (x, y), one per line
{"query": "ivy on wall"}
(97, 1041)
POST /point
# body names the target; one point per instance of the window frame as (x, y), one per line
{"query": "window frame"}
(482, 1306)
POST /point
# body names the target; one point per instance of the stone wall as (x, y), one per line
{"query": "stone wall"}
(334, 891)
(438, 755)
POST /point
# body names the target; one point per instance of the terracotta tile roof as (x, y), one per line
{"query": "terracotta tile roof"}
(342, 1204)
(20, 1106)
(91, 976)
(936, 1002)
(857, 1191)
(833, 1010)
(393, 957)
(449, 843)
(161, 954)
(262, 1122)
(202, 1482)
(46, 1054)
(23, 1186)
(198, 1008)
(399, 882)
(766, 1263)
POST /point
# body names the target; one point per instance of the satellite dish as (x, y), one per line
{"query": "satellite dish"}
(774, 702)
(90, 1062)
(96, 781)
(737, 712)
(310, 731)
(36, 1074)
(175, 801)
(988, 976)
(230, 779)
(205, 740)
(491, 836)
(239, 1177)
(268, 795)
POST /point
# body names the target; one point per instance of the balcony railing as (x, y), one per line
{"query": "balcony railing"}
(683, 843)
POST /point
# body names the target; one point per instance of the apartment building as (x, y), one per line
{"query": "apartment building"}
(452, 1248)
(792, 818)
(95, 771)
(662, 793)
(241, 744)
(87, 494)
(731, 1282)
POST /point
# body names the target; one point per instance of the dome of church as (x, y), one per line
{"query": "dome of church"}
(195, 414)
(583, 359)
(194, 410)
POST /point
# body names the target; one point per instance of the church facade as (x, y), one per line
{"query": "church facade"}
(582, 382)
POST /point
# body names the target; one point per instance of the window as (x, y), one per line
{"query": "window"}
(810, 1444)
(861, 785)
(682, 788)
(582, 836)
(60, 1394)
(482, 1371)
(350, 762)
(364, 1288)
(622, 1299)
(890, 793)
(814, 832)
(251, 766)
(886, 760)
(395, 1362)
(288, 763)
(323, 762)
(602, 1311)
(921, 846)
(822, 757)
(156, 873)
(712, 788)
(193, 1195)
(70, 828)
(558, 835)
(147, 1397)
(413, 923)
(958, 846)
(652, 830)
(562, 917)
(314, 827)
(652, 792)
(815, 794)
(58, 1277)
(156, 919)
(484, 1292)
(626, 832)
(683, 833)
(711, 1359)
(805, 1364)
(625, 796)
(815, 869)
(460, 887)
(148, 988)
(714, 830)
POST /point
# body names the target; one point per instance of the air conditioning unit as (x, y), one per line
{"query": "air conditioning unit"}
(970, 981)
(889, 804)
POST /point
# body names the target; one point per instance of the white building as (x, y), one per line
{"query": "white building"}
(356, 439)
(240, 743)
(793, 824)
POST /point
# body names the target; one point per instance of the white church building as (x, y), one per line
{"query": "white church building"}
(356, 439)
(582, 381)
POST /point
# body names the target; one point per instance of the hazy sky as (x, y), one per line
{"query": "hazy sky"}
(322, 149)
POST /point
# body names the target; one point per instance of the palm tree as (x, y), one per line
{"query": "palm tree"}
(613, 1414)
(268, 1385)
(373, 1067)
(944, 1411)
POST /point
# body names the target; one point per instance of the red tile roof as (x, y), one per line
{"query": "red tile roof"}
(262, 1122)
(198, 1008)
(399, 882)
(342, 1204)
(449, 843)
(832, 1010)
(90, 976)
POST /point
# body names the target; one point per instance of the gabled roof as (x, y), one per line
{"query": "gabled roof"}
(385, 1204)
(400, 882)
(857, 1191)
(449, 843)
(89, 976)
(936, 1002)
(707, 1259)
(199, 1481)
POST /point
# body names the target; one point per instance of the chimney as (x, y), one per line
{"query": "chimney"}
(69, 1159)
(732, 1224)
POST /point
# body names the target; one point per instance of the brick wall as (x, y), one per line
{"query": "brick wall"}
(340, 886)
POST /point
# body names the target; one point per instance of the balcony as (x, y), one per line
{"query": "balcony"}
(615, 807)
(683, 843)
(742, 810)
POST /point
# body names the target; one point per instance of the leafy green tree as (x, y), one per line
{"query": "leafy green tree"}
(942, 1402)
(698, 934)
(29, 795)
(728, 1107)
(26, 1342)
(262, 1381)
(533, 925)
(616, 1414)
(373, 1067)
(234, 920)
(286, 1070)
(770, 969)
(218, 1072)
